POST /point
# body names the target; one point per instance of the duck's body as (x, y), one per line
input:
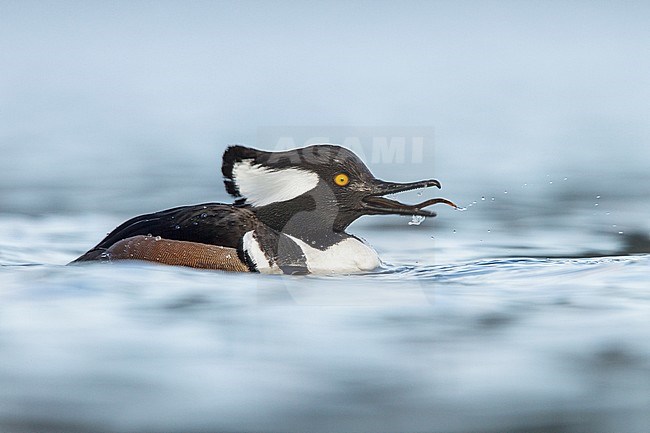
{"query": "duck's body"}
(290, 217)
(229, 237)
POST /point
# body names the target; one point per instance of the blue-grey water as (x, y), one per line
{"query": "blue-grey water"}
(474, 325)
(527, 312)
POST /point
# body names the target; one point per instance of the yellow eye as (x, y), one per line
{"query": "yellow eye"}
(341, 179)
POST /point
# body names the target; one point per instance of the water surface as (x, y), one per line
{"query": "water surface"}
(473, 325)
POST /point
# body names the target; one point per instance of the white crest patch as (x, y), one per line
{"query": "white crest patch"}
(262, 186)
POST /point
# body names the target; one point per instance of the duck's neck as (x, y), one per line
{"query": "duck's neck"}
(314, 225)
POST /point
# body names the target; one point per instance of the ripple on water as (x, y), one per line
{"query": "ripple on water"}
(175, 349)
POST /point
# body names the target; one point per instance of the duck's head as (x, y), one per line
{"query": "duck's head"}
(326, 181)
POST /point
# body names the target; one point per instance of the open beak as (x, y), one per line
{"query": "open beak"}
(375, 204)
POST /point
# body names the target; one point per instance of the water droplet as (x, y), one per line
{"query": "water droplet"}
(550, 182)
(620, 233)
(177, 227)
(313, 242)
(492, 198)
(157, 238)
(432, 237)
(524, 185)
(204, 215)
(461, 209)
(595, 204)
(419, 193)
(489, 231)
(607, 213)
(483, 198)
(416, 220)
(505, 192)
(566, 178)
(473, 202)
(613, 225)
(194, 223)
(454, 230)
(597, 197)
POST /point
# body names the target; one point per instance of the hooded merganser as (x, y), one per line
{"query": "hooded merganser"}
(289, 216)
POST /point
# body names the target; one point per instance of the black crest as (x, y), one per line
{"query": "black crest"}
(231, 156)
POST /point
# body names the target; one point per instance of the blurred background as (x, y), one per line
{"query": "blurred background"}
(528, 312)
(126, 107)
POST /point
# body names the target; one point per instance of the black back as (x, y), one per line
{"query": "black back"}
(209, 223)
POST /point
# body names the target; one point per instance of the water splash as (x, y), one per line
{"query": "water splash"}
(416, 220)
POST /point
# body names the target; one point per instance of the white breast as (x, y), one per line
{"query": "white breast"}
(349, 255)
